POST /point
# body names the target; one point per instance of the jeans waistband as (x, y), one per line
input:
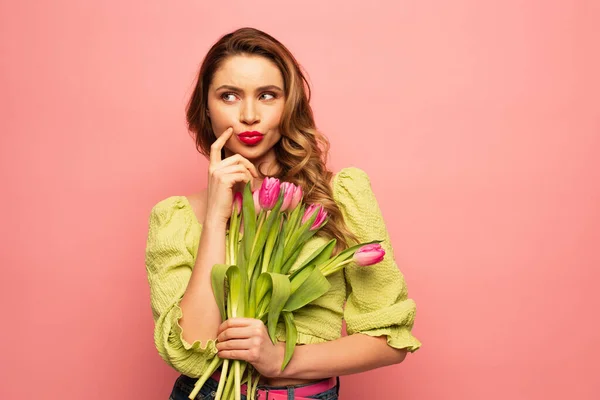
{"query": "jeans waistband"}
(267, 392)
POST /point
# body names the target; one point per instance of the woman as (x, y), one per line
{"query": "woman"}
(250, 115)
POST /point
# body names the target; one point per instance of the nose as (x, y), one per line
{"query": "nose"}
(249, 113)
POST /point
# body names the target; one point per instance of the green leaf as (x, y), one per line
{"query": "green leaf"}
(279, 285)
(319, 256)
(231, 243)
(251, 312)
(311, 288)
(277, 260)
(299, 235)
(218, 274)
(249, 220)
(299, 276)
(264, 232)
(290, 261)
(270, 244)
(263, 307)
(237, 291)
(241, 256)
(291, 337)
(293, 221)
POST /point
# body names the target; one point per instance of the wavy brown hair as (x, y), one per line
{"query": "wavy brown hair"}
(302, 152)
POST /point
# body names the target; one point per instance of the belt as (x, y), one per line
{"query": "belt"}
(300, 393)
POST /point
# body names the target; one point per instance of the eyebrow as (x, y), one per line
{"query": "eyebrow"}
(259, 89)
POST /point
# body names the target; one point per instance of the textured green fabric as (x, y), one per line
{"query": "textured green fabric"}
(375, 297)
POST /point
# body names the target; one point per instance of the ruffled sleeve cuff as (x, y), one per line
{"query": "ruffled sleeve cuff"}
(377, 302)
(190, 359)
(171, 245)
(395, 322)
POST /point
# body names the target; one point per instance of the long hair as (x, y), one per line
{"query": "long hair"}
(302, 152)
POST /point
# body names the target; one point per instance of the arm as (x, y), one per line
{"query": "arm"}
(200, 314)
(173, 239)
(344, 356)
(247, 339)
(179, 260)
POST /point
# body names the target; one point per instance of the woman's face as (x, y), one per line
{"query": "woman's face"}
(247, 93)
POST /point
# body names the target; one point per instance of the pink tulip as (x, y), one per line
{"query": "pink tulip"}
(237, 203)
(288, 192)
(269, 193)
(321, 216)
(256, 202)
(296, 197)
(369, 254)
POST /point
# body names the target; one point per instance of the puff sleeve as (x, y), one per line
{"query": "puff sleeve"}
(171, 248)
(377, 301)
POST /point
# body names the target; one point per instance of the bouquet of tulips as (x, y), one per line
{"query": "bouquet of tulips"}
(267, 231)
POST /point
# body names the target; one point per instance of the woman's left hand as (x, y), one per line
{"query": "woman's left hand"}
(247, 339)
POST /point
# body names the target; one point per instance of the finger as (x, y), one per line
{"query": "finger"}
(232, 169)
(231, 179)
(234, 333)
(238, 159)
(236, 323)
(238, 344)
(215, 148)
(231, 175)
(244, 332)
(243, 355)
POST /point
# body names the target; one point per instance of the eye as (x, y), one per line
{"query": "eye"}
(229, 97)
(271, 94)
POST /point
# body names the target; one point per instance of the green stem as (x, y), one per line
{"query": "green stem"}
(261, 219)
(253, 253)
(202, 380)
(252, 388)
(231, 237)
(222, 380)
(330, 270)
(236, 240)
(238, 379)
(229, 384)
(271, 238)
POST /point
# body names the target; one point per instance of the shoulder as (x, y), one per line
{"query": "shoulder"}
(194, 204)
(197, 202)
(350, 179)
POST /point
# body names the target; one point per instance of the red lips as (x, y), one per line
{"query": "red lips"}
(250, 138)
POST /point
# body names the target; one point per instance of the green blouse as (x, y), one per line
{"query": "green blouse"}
(372, 300)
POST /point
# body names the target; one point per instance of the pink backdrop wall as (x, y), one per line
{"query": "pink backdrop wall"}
(478, 122)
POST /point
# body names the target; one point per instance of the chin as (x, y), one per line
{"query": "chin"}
(250, 152)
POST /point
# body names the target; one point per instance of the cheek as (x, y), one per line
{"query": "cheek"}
(220, 116)
(274, 116)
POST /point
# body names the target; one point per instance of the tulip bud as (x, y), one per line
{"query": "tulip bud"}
(269, 193)
(236, 207)
(369, 254)
(256, 202)
(321, 216)
(287, 189)
(296, 197)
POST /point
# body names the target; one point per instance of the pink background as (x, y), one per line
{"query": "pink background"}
(478, 123)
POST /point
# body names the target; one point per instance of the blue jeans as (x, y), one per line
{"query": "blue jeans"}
(184, 386)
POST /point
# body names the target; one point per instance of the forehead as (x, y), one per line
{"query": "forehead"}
(247, 72)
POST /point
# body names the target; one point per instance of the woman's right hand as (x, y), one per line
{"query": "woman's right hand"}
(222, 176)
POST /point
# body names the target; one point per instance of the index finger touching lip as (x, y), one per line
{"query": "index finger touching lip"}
(215, 153)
